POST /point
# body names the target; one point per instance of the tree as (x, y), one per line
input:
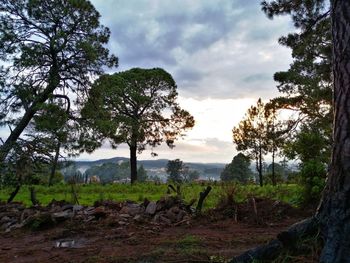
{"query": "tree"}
(306, 86)
(50, 48)
(175, 169)
(333, 213)
(237, 170)
(250, 136)
(142, 174)
(192, 175)
(137, 107)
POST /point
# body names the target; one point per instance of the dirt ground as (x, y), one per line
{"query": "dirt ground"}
(213, 237)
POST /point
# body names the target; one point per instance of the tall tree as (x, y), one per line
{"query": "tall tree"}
(138, 107)
(306, 87)
(250, 136)
(49, 48)
(335, 209)
(333, 212)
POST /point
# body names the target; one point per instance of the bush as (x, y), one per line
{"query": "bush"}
(313, 174)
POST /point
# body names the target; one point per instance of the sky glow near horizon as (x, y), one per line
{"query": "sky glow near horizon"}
(222, 55)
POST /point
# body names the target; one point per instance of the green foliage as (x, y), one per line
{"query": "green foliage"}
(238, 170)
(306, 87)
(259, 133)
(138, 107)
(142, 174)
(174, 169)
(313, 174)
(90, 193)
(109, 172)
(47, 49)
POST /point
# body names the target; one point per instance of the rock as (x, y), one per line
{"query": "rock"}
(99, 212)
(164, 220)
(180, 215)
(62, 216)
(138, 218)
(67, 207)
(5, 219)
(89, 210)
(171, 216)
(13, 227)
(122, 223)
(131, 209)
(125, 216)
(77, 208)
(151, 208)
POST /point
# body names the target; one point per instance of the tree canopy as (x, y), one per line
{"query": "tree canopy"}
(49, 48)
(138, 107)
(238, 170)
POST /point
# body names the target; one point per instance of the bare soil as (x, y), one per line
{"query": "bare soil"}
(215, 236)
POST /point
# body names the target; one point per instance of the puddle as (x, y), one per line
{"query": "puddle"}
(69, 243)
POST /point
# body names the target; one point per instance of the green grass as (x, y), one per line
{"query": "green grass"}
(88, 194)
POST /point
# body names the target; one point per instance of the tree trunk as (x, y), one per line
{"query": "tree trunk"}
(335, 209)
(133, 163)
(273, 167)
(14, 193)
(54, 164)
(260, 167)
(53, 82)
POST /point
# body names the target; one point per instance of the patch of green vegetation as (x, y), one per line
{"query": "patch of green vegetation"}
(88, 194)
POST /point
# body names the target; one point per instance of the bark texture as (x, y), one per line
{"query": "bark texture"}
(133, 163)
(335, 207)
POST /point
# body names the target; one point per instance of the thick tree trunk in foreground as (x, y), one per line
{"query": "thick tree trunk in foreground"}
(333, 216)
(133, 163)
(335, 209)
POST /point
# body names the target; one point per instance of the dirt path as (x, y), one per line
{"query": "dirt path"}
(199, 241)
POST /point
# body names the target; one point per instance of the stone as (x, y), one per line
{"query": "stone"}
(5, 219)
(180, 215)
(67, 207)
(125, 215)
(99, 212)
(138, 218)
(164, 220)
(77, 208)
(151, 208)
(171, 216)
(131, 209)
(62, 216)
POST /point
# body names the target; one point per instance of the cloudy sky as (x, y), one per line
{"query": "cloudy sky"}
(221, 53)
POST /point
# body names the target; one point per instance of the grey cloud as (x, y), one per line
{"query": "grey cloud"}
(179, 36)
(257, 77)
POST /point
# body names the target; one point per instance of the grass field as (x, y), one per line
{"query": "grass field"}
(88, 194)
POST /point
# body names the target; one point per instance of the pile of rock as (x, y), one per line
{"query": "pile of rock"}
(168, 210)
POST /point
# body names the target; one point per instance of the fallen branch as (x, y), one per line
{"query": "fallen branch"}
(285, 240)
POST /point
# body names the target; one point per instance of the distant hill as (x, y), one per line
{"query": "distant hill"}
(157, 167)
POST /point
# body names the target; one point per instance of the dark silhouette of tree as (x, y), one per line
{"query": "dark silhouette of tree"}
(138, 107)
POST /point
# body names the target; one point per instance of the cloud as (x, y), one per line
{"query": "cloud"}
(210, 47)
